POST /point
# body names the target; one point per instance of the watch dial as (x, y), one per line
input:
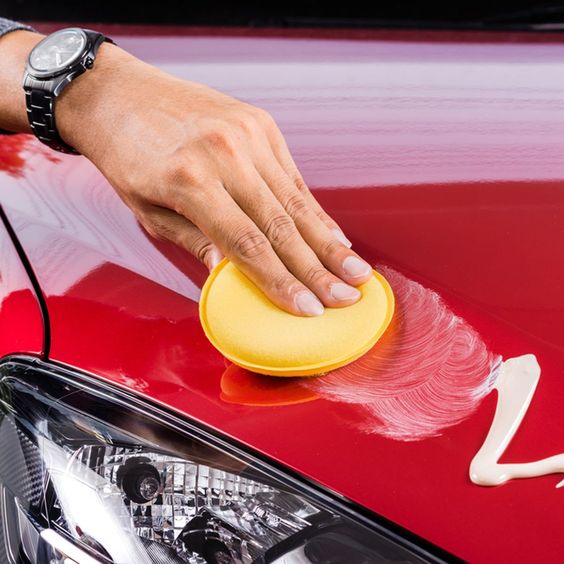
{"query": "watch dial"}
(58, 50)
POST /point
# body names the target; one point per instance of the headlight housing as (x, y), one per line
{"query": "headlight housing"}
(89, 473)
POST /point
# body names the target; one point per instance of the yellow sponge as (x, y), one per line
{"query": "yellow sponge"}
(248, 329)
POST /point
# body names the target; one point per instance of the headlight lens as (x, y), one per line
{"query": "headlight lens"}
(92, 474)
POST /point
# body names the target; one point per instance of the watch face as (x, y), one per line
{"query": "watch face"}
(57, 51)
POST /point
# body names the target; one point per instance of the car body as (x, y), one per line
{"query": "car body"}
(440, 155)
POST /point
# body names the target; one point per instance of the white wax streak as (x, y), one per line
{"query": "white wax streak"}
(515, 385)
(429, 371)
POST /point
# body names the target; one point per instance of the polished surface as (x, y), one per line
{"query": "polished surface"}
(21, 323)
(442, 160)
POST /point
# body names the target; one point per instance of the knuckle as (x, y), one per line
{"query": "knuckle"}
(280, 228)
(314, 275)
(249, 243)
(295, 205)
(282, 284)
(248, 124)
(178, 171)
(202, 250)
(267, 124)
(300, 184)
(219, 139)
(330, 246)
(266, 119)
(322, 215)
(326, 219)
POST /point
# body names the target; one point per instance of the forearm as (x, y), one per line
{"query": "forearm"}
(199, 168)
(14, 50)
(79, 100)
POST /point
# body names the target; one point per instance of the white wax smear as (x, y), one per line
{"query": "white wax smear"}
(429, 371)
(516, 384)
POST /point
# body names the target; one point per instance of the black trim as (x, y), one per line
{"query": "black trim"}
(341, 505)
(34, 282)
(40, 108)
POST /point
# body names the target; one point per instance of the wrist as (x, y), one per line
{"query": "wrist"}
(15, 48)
(87, 107)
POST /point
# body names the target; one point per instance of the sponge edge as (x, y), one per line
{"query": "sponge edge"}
(249, 330)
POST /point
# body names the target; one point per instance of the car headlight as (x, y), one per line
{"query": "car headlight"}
(89, 473)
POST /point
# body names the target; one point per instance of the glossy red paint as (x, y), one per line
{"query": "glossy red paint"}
(442, 159)
(21, 323)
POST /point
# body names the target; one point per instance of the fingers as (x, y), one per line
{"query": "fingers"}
(283, 156)
(319, 236)
(239, 238)
(239, 195)
(269, 215)
(166, 224)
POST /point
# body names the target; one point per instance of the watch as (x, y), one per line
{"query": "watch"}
(53, 64)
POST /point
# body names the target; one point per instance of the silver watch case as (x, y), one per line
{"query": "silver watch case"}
(54, 81)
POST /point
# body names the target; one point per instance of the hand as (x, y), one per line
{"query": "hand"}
(212, 174)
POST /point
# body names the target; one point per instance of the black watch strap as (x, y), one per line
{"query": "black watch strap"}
(41, 119)
(40, 96)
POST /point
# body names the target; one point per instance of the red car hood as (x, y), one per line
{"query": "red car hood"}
(441, 158)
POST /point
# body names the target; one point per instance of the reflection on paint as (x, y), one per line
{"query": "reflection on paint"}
(515, 385)
(13, 150)
(428, 372)
(85, 228)
(247, 388)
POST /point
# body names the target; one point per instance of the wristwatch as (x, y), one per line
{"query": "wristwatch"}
(53, 64)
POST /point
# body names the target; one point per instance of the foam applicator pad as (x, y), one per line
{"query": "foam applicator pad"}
(248, 329)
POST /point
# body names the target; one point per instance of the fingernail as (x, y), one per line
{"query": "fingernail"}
(342, 237)
(308, 304)
(356, 267)
(344, 292)
(215, 258)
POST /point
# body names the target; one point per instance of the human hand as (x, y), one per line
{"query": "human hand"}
(212, 174)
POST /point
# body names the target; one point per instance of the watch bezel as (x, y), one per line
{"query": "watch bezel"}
(77, 59)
